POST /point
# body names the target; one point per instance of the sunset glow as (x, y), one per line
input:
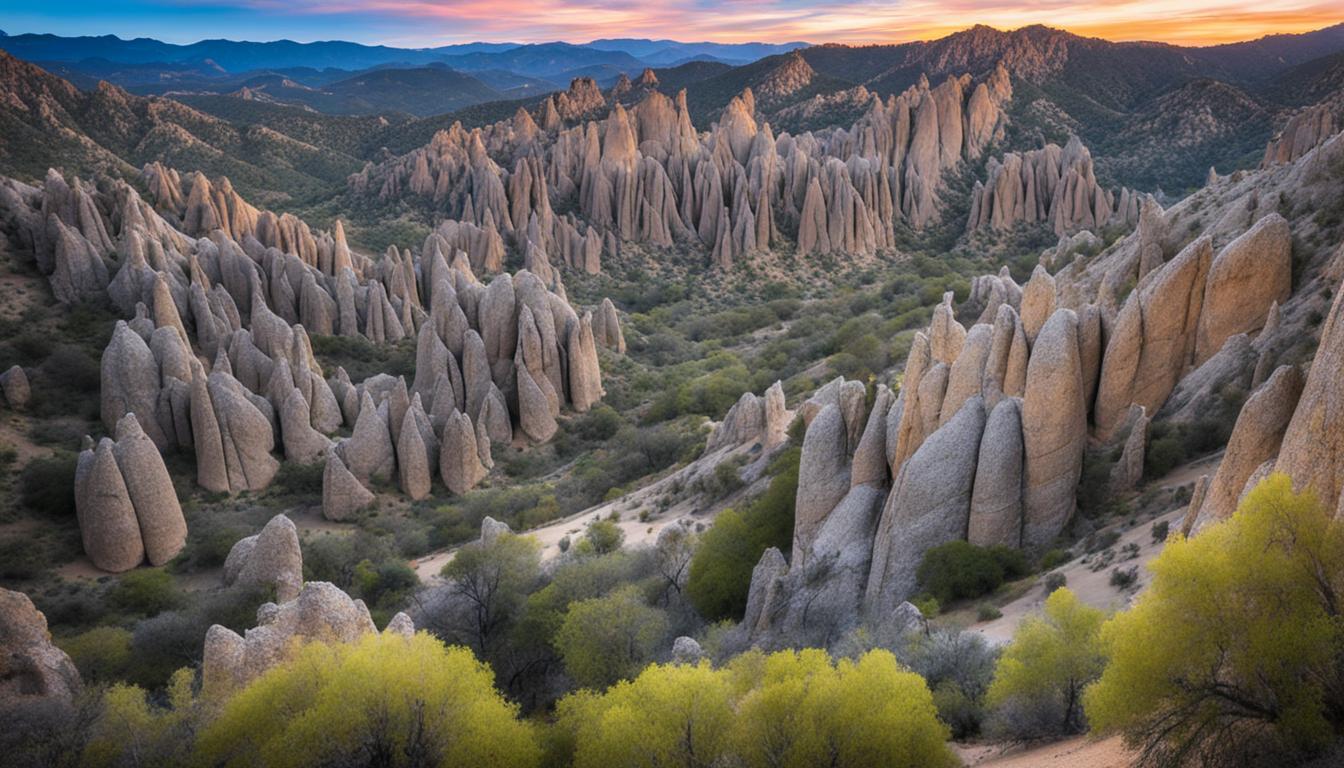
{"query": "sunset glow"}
(423, 23)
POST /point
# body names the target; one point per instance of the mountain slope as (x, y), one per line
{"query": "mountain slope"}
(47, 122)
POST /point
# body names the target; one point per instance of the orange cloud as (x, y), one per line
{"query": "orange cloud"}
(1191, 22)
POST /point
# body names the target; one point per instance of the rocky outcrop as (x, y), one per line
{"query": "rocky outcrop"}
(1312, 452)
(320, 612)
(1305, 131)
(342, 493)
(125, 502)
(32, 668)
(459, 458)
(1054, 430)
(1052, 186)
(996, 497)
(754, 418)
(15, 388)
(270, 559)
(823, 475)
(1255, 439)
(1247, 277)
(1152, 340)
(929, 504)
(1128, 470)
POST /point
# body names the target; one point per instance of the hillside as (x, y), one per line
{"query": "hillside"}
(48, 123)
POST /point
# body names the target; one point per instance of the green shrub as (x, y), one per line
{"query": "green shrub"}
(987, 612)
(1054, 558)
(146, 591)
(720, 571)
(1054, 581)
(1160, 530)
(47, 485)
(602, 537)
(960, 570)
(295, 479)
(102, 654)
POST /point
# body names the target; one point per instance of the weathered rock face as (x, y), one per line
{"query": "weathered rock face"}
(1255, 439)
(150, 491)
(996, 498)
(342, 493)
(459, 459)
(321, 612)
(1246, 278)
(130, 383)
(1152, 340)
(1050, 185)
(369, 452)
(34, 669)
(823, 476)
(930, 504)
(107, 521)
(270, 559)
(1313, 444)
(1304, 132)
(1128, 471)
(1054, 430)
(763, 418)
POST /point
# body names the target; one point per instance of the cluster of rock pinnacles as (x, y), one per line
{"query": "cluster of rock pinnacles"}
(645, 175)
(985, 440)
(216, 359)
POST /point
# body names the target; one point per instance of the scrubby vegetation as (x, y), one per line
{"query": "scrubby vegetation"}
(1233, 656)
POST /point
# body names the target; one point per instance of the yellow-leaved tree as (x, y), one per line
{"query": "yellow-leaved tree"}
(383, 700)
(1235, 653)
(1038, 684)
(784, 710)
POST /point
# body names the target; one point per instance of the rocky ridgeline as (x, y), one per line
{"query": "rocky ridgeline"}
(985, 440)
(1049, 185)
(646, 175)
(216, 358)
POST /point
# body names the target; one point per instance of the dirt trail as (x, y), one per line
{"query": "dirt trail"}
(1078, 752)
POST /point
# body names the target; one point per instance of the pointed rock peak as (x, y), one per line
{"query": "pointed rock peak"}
(647, 79)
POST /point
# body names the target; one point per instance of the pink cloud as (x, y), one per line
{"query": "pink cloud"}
(426, 22)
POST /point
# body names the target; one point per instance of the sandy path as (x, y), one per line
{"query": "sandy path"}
(1078, 752)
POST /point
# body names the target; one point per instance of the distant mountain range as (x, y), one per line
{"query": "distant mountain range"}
(537, 59)
(349, 78)
(297, 118)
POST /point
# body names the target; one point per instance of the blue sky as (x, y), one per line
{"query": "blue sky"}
(415, 23)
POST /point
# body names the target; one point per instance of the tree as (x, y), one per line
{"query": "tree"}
(606, 639)
(494, 578)
(673, 550)
(384, 700)
(1039, 680)
(720, 573)
(786, 710)
(873, 712)
(131, 731)
(601, 538)
(1235, 653)
(668, 716)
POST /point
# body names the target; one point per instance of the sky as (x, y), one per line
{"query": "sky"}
(424, 23)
